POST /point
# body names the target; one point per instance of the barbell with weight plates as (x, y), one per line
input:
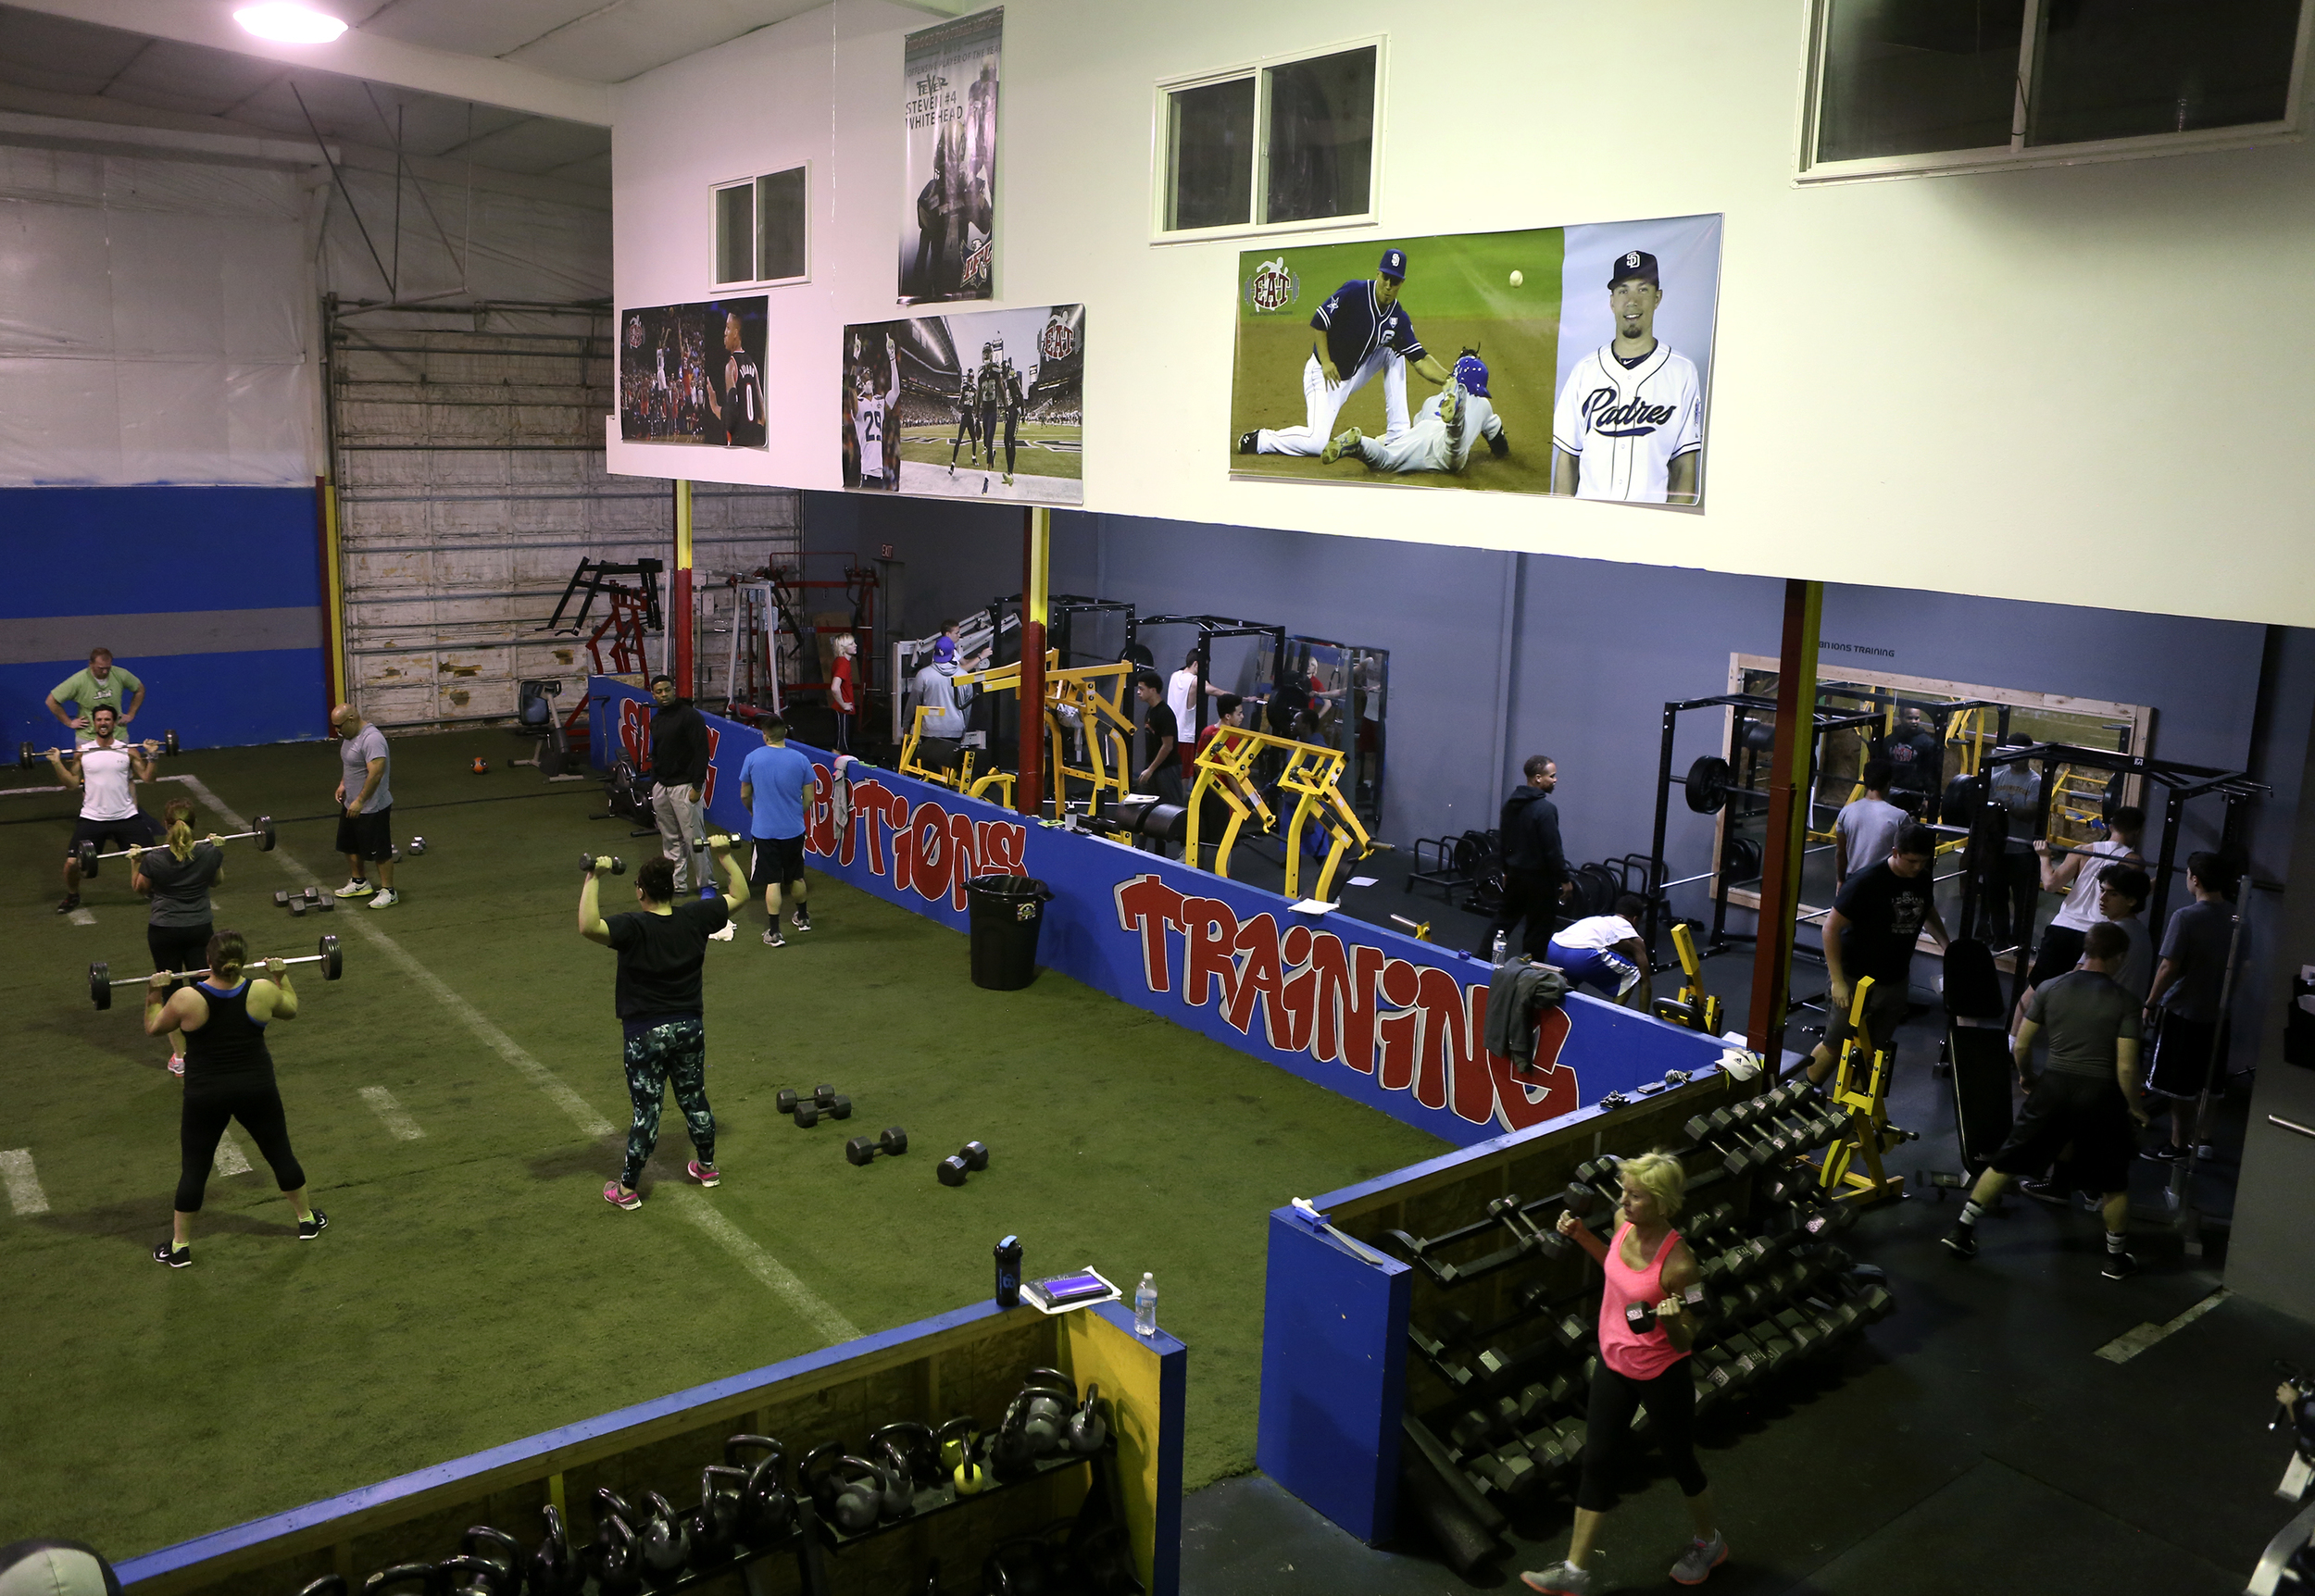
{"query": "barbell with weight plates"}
(1708, 784)
(28, 758)
(101, 981)
(261, 828)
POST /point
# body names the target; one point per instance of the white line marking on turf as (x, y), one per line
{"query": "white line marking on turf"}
(231, 1159)
(767, 1269)
(777, 1276)
(2130, 1343)
(13, 792)
(590, 1123)
(24, 1193)
(82, 916)
(382, 1104)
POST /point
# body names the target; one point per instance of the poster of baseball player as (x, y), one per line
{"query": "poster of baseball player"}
(986, 406)
(948, 200)
(694, 374)
(1474, 360)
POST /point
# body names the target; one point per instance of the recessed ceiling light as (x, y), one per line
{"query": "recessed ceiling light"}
(287, 24)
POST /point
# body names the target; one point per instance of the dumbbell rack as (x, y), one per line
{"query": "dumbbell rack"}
(1497, 1407)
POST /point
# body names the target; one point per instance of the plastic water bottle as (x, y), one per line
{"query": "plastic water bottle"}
(1145, 1306)
(1503, 949)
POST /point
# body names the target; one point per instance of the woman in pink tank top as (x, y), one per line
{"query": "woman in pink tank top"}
(1648, 1268)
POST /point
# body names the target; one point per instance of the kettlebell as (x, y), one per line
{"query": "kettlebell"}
(767, 1509)
(1047, 1397)
(859, 1500)
(618, 1552)
(816, 1478)
(1009, 1456)
(1016, 1568)
(899, 1492)
(464, 1576)
(554, 1571)
(1089, 1428)
(421, 1578)
(502, 1550)
(716, 1527)
(959, 1443)
(328, 1585)
(912, 1446)
(667, 1541)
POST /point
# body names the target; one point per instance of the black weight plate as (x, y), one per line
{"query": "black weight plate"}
(2113, 799)
(1757, 735)
(1963, 794)
(1740, 860)
(1710, 781)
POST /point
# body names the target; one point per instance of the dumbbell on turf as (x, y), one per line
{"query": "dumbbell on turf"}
(892, 1140)
(826, 1103)
(966, 1160)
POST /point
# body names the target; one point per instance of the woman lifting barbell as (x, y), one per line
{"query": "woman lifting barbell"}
(229, 1075)
(178, 879)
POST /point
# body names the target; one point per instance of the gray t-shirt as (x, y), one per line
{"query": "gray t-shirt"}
(180, 887)
(2082, 1015)
(356, 753)
(1869, 830)
(2197, 941)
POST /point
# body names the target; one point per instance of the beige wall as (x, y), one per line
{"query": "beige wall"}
(2090, 384)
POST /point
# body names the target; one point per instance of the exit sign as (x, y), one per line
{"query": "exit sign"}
(883, 551)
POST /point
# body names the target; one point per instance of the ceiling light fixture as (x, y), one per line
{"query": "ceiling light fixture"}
(289, 24)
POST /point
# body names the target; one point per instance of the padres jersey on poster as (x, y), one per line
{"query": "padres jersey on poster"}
(1356, 328)
(1625, 425)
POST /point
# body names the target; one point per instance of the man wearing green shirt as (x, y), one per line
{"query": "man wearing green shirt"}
(102, 686)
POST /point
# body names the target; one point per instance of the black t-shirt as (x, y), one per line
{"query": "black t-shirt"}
(660, 957)
(1159, 727)
(1914, 757)
(1886, 913)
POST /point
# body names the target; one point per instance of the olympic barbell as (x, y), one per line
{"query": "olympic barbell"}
(101, 981)
(87, 855)
(30, 758)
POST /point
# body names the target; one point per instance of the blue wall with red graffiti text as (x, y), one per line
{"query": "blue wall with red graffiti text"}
(1362, 1011)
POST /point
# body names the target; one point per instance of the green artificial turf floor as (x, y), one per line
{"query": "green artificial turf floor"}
(473, 1288)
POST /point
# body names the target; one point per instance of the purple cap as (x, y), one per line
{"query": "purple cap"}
(1395, 264)
(944, 648)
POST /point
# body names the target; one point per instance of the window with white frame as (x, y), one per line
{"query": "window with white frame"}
(1898, 87)
(1282, 143)
(761, 231)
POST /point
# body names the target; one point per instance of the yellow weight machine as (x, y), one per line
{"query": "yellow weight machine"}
(1860, 1085)
(1693, 1007)
(1313, 773)
(1002, 679)
(1088, 698)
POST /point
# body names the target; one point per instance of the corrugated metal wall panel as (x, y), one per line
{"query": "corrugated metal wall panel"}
(467, 450)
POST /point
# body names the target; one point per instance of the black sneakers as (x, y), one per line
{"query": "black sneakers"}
(309, 1228)
(71, 902)
(176, 1257)
(2118, 1266)
(1961, 1240)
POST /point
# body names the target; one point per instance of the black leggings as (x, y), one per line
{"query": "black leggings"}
(1671, 1399)
(178, 947)
(258, 1104)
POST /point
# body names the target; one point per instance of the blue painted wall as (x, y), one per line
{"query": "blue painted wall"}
(141, 561)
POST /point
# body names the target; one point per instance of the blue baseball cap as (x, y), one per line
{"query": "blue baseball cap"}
(1471, 372)
(1636, 263)
(1395, 264)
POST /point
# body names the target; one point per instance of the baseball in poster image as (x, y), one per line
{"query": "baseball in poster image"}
(694, 374)
(988, 406)
(1568, 360)
(948, 212)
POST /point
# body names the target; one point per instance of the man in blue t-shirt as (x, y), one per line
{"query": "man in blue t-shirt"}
(776, 784)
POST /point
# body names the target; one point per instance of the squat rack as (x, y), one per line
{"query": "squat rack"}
(1209, 626)
(2181, 784)
(1712, 783)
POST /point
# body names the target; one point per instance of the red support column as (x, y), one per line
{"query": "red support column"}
(1790, 772)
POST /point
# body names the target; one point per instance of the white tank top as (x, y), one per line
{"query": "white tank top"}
(2080, 911)
(106, 792)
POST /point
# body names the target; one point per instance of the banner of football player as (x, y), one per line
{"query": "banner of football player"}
(948, 204)
(989, 404)
(1569, 360)
(692, 374)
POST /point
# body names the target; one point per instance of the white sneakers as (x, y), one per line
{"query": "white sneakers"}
(385, 899)
(357, 888)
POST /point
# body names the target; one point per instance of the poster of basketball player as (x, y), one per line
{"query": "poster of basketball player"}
(985, 405)
(1563, 360)
(694, 374)
(949, 209)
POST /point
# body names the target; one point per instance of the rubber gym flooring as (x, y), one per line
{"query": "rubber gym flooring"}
(458, 1103)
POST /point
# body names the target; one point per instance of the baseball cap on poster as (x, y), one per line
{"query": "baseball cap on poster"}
(1636, 263)
(1394, 265)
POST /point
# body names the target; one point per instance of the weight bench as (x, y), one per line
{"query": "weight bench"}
(1977, 1052)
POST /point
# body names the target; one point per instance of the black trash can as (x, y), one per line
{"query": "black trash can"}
(1006, 911)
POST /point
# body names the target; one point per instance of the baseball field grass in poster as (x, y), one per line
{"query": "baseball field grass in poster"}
(948, 203)
(988, 405)
(1585, 356)
(693, 373)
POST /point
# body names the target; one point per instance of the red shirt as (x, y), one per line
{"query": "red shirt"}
(840, 689)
